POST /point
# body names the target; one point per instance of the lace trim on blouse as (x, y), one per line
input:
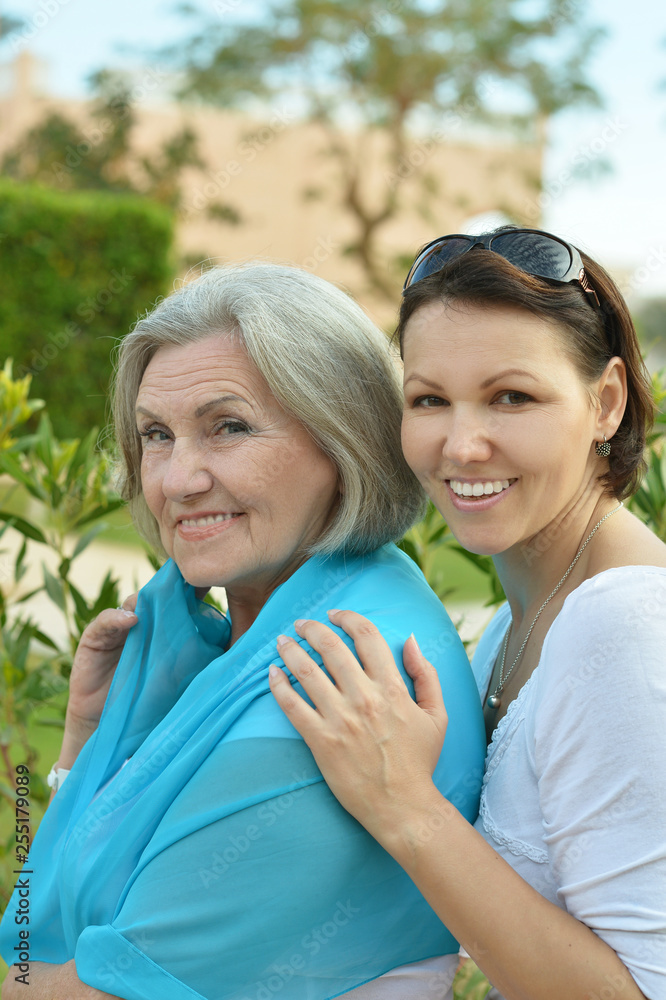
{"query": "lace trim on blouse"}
(499, 744)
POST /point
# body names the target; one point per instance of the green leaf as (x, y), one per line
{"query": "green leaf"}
(409, 548)
(20, 569)
(484, 563)
(108, 596)
(87, 538)
(154, 561)
(25, 527)
(44, 442)
(100, 511)
(82, 457)
(45, 640)
(436, 535)
(54, 589)
(13, 468)
(26, 597)
(80, 603)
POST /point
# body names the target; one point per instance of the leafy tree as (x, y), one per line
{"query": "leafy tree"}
(9, 24)
(59, 153)
(393, 66)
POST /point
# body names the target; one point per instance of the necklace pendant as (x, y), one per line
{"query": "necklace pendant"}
(494, 701)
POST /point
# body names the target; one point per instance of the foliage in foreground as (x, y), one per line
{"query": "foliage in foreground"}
(69, 486)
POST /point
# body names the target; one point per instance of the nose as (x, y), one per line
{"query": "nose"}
(467, 437)
(187, 474)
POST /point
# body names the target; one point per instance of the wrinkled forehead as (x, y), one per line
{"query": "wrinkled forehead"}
(212, 365)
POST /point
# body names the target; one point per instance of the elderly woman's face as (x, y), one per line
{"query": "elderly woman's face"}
(237, 485)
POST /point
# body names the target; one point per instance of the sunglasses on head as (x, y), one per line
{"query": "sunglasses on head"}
(531, 250)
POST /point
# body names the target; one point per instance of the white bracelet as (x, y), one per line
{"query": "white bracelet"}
(56, 777)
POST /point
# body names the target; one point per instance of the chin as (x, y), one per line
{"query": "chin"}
(480, 546)
(198, 576)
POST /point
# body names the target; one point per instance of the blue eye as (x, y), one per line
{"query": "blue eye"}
(149, 435)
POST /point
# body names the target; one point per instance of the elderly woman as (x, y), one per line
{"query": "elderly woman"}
(194, 851)
(526, 408)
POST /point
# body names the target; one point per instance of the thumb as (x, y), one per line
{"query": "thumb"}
(427, 690)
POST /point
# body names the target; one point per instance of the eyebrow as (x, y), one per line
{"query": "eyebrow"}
(228, 398)
(505, 374)
(484, 385)
(421, 378)
(201, 410)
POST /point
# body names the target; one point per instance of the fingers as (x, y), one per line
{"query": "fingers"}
(427, 689)
(312, 678)
(109, 630)
(300, 714)
(371, 648)
(129, 604)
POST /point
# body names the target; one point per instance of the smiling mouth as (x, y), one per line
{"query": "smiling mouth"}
(480, 489)
(202, 522)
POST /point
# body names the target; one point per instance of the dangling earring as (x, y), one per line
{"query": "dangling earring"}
(602, 448)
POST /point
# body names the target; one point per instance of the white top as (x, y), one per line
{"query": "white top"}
(416, 981)
(574, 794)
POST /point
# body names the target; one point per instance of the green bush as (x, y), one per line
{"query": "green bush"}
(78, 268)
(66, 493)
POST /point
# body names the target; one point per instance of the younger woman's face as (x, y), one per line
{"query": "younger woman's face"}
(498, 426)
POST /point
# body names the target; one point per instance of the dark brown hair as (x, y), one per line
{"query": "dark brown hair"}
(591, 336)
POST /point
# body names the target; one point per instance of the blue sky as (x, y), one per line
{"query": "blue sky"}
(619, 218)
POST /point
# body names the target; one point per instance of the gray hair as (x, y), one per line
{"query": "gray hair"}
(324, 361)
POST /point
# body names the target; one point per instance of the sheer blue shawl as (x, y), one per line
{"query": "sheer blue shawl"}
(195, 850)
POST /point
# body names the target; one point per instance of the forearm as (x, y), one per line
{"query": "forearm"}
(529, 948)
(73, 740)
(45, 981)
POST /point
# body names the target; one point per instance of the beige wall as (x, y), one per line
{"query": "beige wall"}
(276, 175)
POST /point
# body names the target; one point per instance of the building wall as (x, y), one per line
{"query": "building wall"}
(276, 174)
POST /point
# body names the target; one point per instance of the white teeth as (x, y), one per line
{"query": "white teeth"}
(199, 522)
(478, 489)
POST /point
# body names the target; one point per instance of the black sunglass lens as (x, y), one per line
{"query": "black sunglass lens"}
(437, 257)
(535, 254)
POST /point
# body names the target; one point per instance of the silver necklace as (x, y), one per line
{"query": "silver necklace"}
(495, 699)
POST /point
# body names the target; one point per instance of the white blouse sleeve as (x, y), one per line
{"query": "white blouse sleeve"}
(599, 744)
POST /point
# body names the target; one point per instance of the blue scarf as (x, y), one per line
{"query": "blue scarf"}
(194, 850)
